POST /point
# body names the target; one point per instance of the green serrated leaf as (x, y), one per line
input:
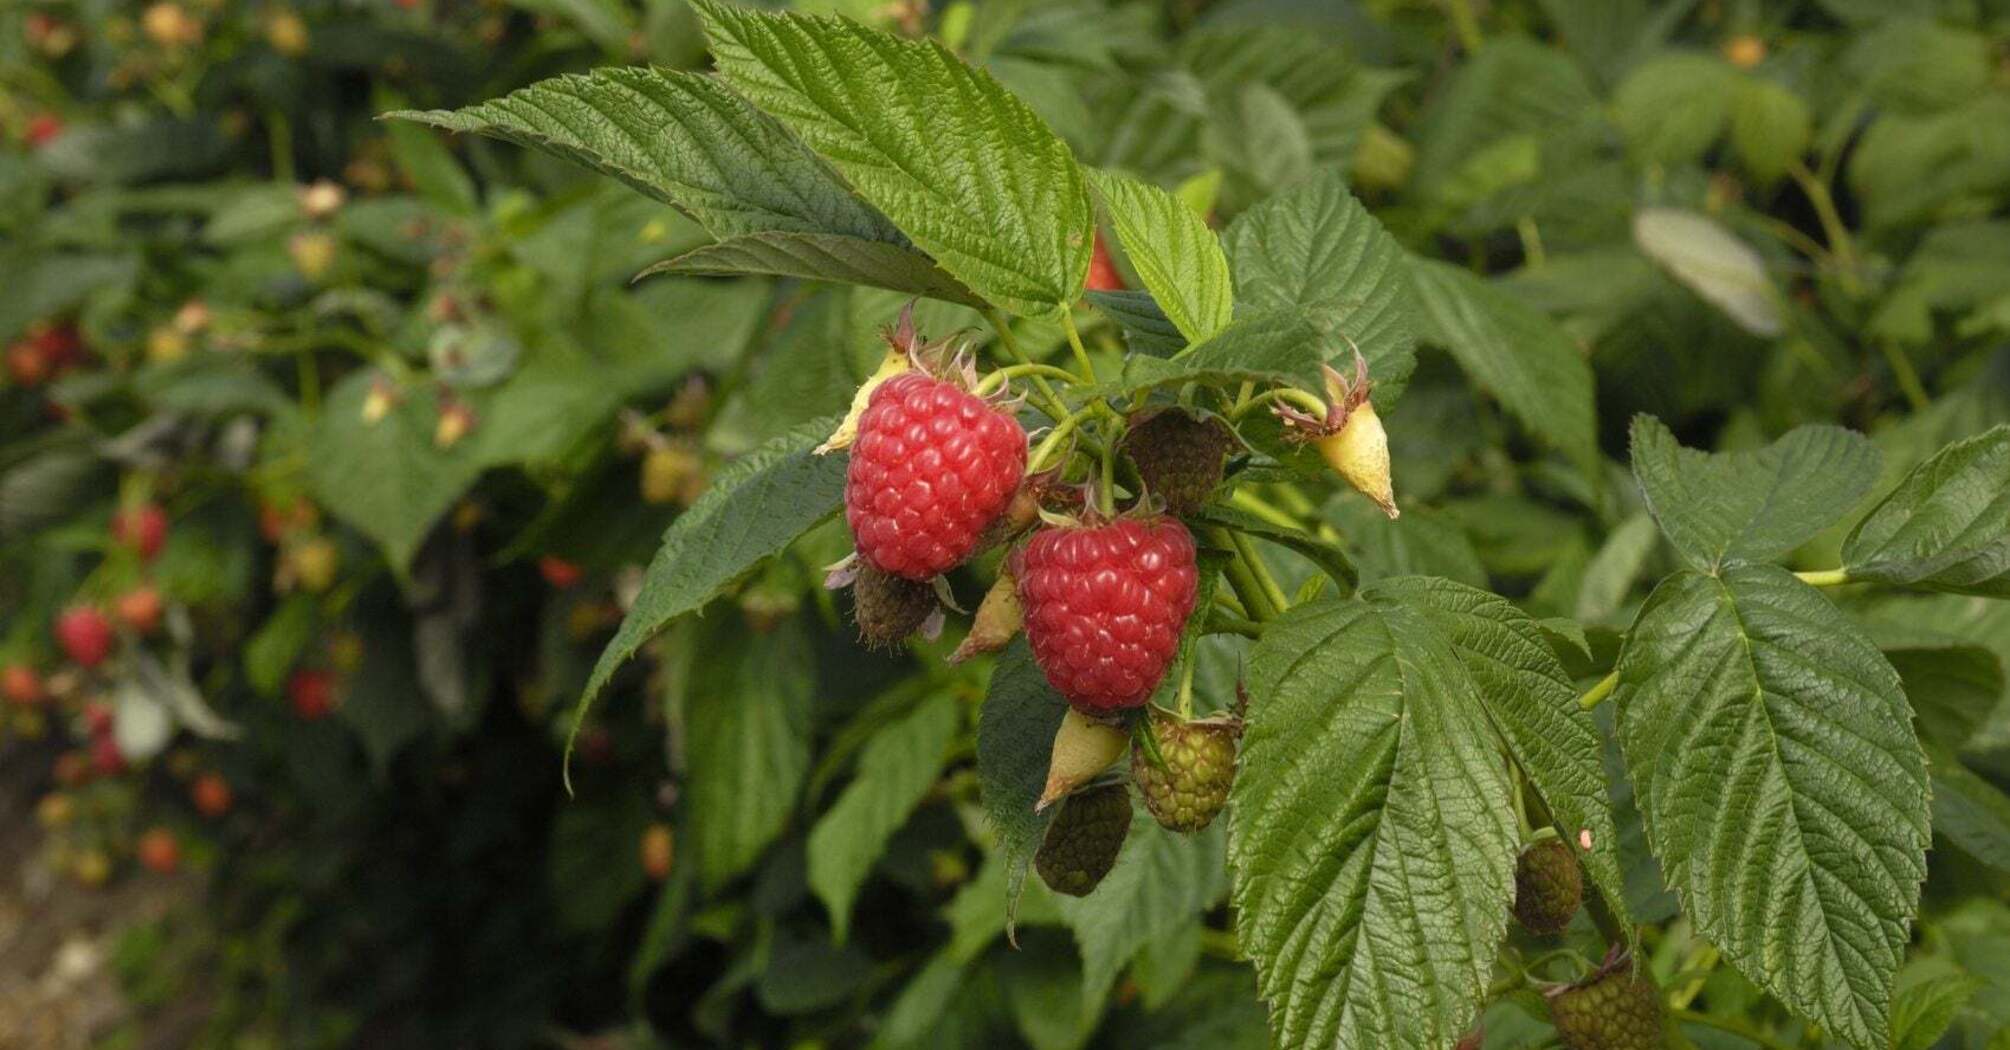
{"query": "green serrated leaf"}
(681, 138)
(822, 257)
(1617, 566)
(1770, 125)
(1147, 330)
(1924, 1012)
(1750, 506)
(1533, 705)
(1163, 880)
(1946, 527)
(1015, 740)
(1514, 352)
(1179, 259)
(1973, 813)
(756, 507)
(1314, 246)
(1672, 107)
(1423, 542)
(1285, 345)
(895, 770)
(748, 738)
(1370, 830)
(1784, 792)
(958, 163)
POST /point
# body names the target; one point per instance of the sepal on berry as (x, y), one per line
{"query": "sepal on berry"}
(1083, 748)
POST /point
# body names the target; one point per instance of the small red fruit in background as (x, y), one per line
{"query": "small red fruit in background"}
(558, 572)
(97, 719)
(142, 529)
(211, 795)
(312, 693)
(1105, 605)
(658, 850)
(1103, 274)
(933, 466)
(22, 686)
(71, 769)
(139, 609)
(84, 635)
(42, 129)
(159, 851)
(106, 757)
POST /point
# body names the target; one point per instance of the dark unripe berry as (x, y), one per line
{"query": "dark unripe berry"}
(1178, 456)
(888, 608)
(1548, 887)
(932, 467)
(1105, 605)
(1083, 841)
(1192, 786)
(1616, 1009)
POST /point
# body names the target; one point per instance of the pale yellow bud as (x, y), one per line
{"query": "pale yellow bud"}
(998, 620)
(313, 253)
(1083, 748)
(286, 32)
(322, 199)
(1359, 452)
(376, 404)
(165, 344)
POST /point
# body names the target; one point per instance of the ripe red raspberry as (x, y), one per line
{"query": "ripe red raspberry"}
(560, 573)
(1105, 604)
(85, 635)
(1103, 273)
(22, 686)
(312, 693)
(932, 467)
(143, 529)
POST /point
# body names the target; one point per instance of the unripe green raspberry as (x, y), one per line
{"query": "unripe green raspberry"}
(1083, 841)
(1192, 786)
(1178, 456)
(1548, 887)
(1615, 1009)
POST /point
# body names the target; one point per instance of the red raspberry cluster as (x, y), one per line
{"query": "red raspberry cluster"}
(933, 466)
(1105, 605)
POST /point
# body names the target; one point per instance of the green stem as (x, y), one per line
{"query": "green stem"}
(1219, 622)
(1000, 376)
(1075, 344)
(1307, 402)
(1246, 551)
(1596, 694)
(1186, 691)
(1907, 376)
(1106, 493)
(1066, 426)
(1737, 1028)
(1051, 402)
(1824, 577)
(1243, 499)
(1241, 580)
(1464, 25)
(1840, 242)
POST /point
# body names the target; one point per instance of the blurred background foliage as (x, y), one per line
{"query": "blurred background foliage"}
(414, 430)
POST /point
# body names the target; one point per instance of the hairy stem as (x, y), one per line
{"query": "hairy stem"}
(1075, 344)
(1596, 694)
(1049, 402)
(1246, 551)
(1000, 376)
(1243, 581)
(1824, 577)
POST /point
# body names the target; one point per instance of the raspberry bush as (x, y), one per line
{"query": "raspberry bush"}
(1067, 523)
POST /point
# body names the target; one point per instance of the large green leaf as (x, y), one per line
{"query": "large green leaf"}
(1371, 829)
(1973, 813)
(1947, 525)
(1282, 345)
(1514, 351)
(387, 478)
(1750, 506)
(1534, 706)
(756, 507)
(1315, 246)
(1672, 107)
(748, 738)
(1176, 255)
(958, 163)
(681, 138)
(1162, 881)
(894, 771)
(822, 257)
(1015, 740)
(1784, 791)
